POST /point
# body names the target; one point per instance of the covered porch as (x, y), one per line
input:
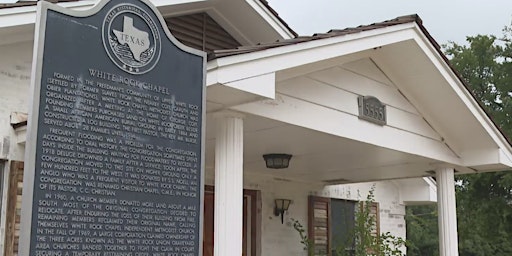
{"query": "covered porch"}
(300, 97)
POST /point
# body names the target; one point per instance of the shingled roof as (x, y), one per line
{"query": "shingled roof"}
(31, 3)
(332, 33)
(267, 5)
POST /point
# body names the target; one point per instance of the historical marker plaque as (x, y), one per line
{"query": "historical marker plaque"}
(114, 163)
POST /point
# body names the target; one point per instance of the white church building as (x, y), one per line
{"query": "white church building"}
(270, 91)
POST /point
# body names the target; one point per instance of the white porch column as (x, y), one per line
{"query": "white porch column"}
(228, 216)
(447, 212)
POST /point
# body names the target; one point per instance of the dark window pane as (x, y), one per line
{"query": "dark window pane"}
(342, 223)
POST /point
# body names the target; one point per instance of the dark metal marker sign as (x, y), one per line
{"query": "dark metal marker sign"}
(114, 161)
(372, 110)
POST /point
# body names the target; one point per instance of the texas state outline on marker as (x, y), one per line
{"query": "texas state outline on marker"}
(137, 40)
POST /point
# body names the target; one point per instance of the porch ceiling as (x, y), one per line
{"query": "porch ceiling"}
(317, 157)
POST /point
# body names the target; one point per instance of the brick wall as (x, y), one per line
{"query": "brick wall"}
(281, 239)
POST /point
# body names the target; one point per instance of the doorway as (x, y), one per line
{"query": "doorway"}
(251, 218)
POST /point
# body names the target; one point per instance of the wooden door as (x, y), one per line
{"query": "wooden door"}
(12, 232)
(208, 234)
(244, 227)
(208, 225)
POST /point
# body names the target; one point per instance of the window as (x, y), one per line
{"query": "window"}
(342, 223)
(331, 221)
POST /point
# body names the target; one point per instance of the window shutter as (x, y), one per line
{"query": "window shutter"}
(374, 213)
(319, 225)
(14, 208)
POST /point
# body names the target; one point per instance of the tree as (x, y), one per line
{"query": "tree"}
(484, 210)
(484, 215)
(422, 234)
(484, 69)
(484, 201)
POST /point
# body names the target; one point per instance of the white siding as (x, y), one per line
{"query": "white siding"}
(15, 68)
(338, 88)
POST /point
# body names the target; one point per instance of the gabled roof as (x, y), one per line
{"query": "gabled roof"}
(342, 32)
(403, 50)
(331, 33)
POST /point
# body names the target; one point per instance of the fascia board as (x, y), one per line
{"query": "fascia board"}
(479, 157)
(158, 3)
(264, 85)
(11, 17)
(211, 76)
(315, 44)
(272, 60)
(270, 18)
(229, 26)
(460, 89)
(505, 158)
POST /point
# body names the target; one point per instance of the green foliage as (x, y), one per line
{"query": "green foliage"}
(361, 240)
(304, 240)
(484, 215)
(422, 230)
(484, 200)
(487, 71)
(477, 63)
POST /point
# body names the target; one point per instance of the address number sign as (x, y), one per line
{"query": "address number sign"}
(372, 110)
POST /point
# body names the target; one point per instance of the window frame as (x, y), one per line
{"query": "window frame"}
(327, 201)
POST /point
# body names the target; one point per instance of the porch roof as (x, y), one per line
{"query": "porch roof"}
(332, 33)
(271, 82)
(342, 32)
(248, 21)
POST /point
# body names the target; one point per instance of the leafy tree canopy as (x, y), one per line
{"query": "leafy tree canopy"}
(484, 200)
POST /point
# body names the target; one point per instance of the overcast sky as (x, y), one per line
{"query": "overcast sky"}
(446, 20)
